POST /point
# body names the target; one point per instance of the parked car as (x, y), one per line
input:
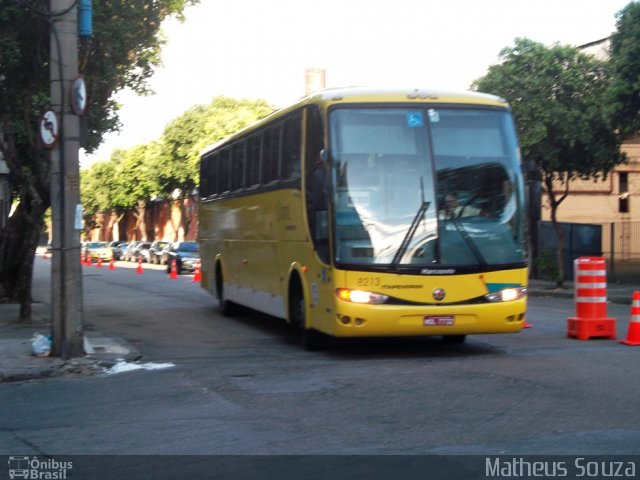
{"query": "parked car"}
(118, 248)
(137, 250)
(186, 255)
(155, 251)
(129, 254)
(98, 251)
(143, 251)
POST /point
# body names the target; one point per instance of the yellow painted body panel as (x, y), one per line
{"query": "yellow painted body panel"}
(256, 239)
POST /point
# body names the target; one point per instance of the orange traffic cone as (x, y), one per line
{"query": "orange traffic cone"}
(87, 260)
(197, 275)
(633, 335)
(99, 264)
(139, 269)
(112, 264)
(174, 270)
(526, 324)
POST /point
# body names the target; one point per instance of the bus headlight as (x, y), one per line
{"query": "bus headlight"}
(360, 296)
(507, 295)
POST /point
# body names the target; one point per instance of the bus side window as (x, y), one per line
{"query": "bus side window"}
(316, 182)
(224, 174)
(213, 174)
(253, 160)
(291, 148)
(237, 166)
(271, 154)
(205, 169)
(316, 168)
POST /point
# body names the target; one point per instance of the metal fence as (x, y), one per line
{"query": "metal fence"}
(617, 242)
(621, 248)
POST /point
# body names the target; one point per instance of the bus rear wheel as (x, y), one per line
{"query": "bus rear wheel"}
(310, 339)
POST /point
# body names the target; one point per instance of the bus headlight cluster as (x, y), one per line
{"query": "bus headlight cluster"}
(507, 295)
(360, 296)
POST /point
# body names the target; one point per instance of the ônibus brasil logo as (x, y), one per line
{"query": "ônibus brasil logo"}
(35, 469)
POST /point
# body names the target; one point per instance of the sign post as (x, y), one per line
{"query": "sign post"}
(68, 98)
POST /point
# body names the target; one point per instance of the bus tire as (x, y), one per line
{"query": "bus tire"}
(225, 307)
(454, 339)
(310, 339)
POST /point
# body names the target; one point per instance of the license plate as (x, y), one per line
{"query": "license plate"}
(438, 320)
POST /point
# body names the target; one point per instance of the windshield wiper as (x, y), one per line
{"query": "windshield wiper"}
(468, 241)
(410, 233)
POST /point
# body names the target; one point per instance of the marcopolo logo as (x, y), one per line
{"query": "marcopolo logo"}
(37, 469)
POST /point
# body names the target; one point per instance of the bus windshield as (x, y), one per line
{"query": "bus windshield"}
(430, 187)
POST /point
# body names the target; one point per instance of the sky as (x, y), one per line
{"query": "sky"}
(259, 49)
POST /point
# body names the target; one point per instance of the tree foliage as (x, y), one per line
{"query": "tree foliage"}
(186, 136)
(557, 96)
(156, 170)
(24, 53)
(122, 53)
(624, 93)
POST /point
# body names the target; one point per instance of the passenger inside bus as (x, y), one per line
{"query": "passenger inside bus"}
(450, 207)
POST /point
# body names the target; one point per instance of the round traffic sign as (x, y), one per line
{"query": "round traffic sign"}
(79, 95)
(49, 128)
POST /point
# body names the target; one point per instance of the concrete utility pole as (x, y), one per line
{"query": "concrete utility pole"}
(66, 274)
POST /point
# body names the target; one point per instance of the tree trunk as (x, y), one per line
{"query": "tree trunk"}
(560, 253)
(554, 203)
(18, 243)
(19, 238)
(141, 225)
(175, 206)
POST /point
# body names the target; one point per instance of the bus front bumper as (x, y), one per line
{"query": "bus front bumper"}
(357, 320)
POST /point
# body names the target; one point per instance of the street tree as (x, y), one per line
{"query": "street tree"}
(139, 181)
(24, 92)
(623, 99)
(185, 137)
(165, 169)
(96, 193)
(122, 53)
(127, 181)
(556, 94)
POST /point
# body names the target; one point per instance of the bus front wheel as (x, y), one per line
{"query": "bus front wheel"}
(225, 307)
(310, 339)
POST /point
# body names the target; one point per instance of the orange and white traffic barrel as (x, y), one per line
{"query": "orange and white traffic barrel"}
(591, 320)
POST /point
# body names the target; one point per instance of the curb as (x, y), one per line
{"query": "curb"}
(617, 297)
(18, 364)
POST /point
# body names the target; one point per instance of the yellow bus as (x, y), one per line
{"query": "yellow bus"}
(370, 213)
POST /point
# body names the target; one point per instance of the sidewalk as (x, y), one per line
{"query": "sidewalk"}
(17, 363)
(621, 293)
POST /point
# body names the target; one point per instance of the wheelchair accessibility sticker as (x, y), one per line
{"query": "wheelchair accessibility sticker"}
(415, 120)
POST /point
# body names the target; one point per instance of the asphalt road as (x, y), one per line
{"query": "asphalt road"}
(243, 386)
